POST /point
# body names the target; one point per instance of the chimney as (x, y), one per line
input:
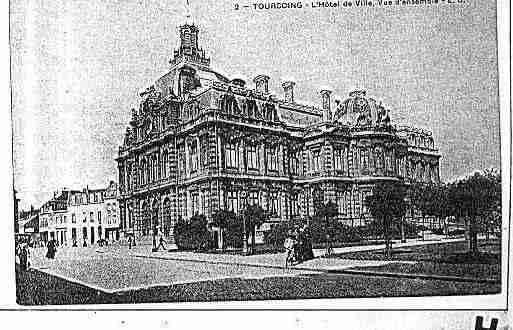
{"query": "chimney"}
(288, 89)
(326, 106)
(262, 83)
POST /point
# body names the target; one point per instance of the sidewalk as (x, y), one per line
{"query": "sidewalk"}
(277, 260)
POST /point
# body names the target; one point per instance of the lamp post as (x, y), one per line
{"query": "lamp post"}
(244, 236)
(403, 219)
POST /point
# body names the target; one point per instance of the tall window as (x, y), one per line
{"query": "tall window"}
(91, 216)
(195, 203)
(230, 154)
(253, 198)
(274, 203)
(204, 204)
(181, 160)
(164, 164)
(364, 159)
(294, 206)
(388, 160)
(73, 218)
(272, 158)
(378, 156)
(340, 159)
(194, 157)
(316, 165)
(231, 201)
(252, 157)
(364, 208)
(294, 164)
(99, 217)
(342, 202)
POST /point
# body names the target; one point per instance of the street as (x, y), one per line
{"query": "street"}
(116, 274)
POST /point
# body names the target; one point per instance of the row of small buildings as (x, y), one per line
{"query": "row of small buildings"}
(75, 217)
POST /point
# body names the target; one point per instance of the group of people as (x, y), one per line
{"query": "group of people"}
(298, 245)
(23, 253)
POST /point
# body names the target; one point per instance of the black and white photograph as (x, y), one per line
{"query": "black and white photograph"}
(268, 152)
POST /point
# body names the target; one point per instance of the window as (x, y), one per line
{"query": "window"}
(316, 166)
(364, 159)
(230, 155)
(378, 154)
(231, 201)
(252, 157)
(99, 217)
(73, 218)
(342, 202)
(194, 157)
(84, 217)
(204, 204)
(65, 219)
(364, 208)
(95, 198)
(253, 198)
(195, 202)
(181, 160)
(294, 206)
(340, 159)
(272, 159)
(294, 164)
(274, 203)
(388, 160)
(164, 164)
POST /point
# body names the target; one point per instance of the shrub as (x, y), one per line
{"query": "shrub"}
(276, 235)
(337, 231)
(233, 234)
(192, 234)
(374, 228)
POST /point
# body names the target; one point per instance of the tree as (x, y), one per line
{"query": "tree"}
(326, 213)
(387, 205)
(429, 199)
(223, 219)
(254, 216)
(473, 199)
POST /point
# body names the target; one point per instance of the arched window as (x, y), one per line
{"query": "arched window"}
(143, 168)
(155, 167)
(147, 171)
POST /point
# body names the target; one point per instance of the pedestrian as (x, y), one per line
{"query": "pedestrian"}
(51, 249)
(24, 254)
(289, 248)
(307, 244)
(161, 243)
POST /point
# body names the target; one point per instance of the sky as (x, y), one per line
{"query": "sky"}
(77, 68)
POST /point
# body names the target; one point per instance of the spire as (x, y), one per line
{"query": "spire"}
(188, 50)
(188, 13)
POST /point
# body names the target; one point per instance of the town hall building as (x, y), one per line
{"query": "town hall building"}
(201, 142)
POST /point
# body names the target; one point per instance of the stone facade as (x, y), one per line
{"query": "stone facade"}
(201, 142)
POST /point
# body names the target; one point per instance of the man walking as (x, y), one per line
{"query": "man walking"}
(161, 244)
